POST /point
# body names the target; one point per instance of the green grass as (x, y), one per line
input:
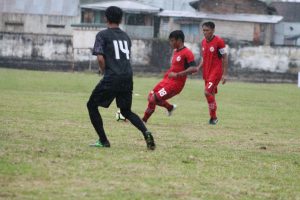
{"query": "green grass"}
(253, 153)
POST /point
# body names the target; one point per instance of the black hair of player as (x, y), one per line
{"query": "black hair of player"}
(209, 24)
(178, 34)
(114, 14)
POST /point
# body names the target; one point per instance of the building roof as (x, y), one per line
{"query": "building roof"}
(183, 5)
(41, 7)
(128, 6)
(269, 19)
(195, 3)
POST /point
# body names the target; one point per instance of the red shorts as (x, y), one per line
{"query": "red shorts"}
(211, 85)
(166, 89)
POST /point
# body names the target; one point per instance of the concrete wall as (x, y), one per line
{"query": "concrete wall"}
(47, 47)
(36, 51)
(273, 59)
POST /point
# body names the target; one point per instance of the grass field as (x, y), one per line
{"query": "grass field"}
(253, 153)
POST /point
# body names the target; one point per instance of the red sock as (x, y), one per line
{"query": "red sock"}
(165, 104)
(212, 106)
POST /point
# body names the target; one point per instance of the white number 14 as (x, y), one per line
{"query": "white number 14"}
(123, 48)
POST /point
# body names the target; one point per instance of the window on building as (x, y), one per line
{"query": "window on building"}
(14, 23)
(15, 26)
(55, 26)
(138, 19)
(92, 16)
(165, 20)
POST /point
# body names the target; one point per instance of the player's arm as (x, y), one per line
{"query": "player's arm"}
(225, 67)
(98, 51)
(101, 62)
(223, 52)
(186, 72)
(199, 67)
(191, 68)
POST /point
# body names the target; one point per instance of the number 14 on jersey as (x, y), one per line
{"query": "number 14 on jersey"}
(123, 46)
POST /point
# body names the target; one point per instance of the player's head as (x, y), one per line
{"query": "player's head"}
(114, 14)
(208, 29)
(176, 39)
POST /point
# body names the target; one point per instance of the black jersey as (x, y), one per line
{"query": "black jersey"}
(115, 45)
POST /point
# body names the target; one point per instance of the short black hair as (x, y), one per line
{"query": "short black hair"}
(178, 34)
(209, 24)
(114, 14)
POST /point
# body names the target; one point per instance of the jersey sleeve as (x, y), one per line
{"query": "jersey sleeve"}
(221, 47)
(189, 60)
(99, 45)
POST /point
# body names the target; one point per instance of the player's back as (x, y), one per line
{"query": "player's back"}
(116, 51)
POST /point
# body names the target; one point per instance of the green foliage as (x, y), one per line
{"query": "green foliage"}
(253, 153)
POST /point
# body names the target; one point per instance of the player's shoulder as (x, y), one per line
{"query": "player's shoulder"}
(218, 38)
(203, 42)
(188, 50)
(125, 34)
(102, 33)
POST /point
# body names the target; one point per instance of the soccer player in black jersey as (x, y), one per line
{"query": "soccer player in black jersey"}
(112, 48)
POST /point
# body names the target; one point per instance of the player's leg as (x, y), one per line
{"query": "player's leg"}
(210, 91)
(151, 107)
(102, 98)
(124, 101)
(170, 107)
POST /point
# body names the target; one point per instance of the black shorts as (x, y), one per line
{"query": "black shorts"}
(103, 96)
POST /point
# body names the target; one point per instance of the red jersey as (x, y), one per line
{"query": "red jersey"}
(212, 52)
(181, 60)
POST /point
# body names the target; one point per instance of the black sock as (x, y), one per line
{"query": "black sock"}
(135, 120)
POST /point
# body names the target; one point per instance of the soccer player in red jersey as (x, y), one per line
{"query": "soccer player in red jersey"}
(214, 66)
(182, 64)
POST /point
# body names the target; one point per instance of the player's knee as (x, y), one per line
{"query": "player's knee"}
(91, 105)
(207, 93)
(150, 95)
(152, 99)
(126, 112)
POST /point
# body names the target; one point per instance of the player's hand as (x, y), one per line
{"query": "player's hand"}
(224, 79)
(196, 72)
(172, 75)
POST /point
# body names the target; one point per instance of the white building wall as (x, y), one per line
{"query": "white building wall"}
(170, 4)
(284, 30)
(11, 22)
(234, 30)
(226, 29)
